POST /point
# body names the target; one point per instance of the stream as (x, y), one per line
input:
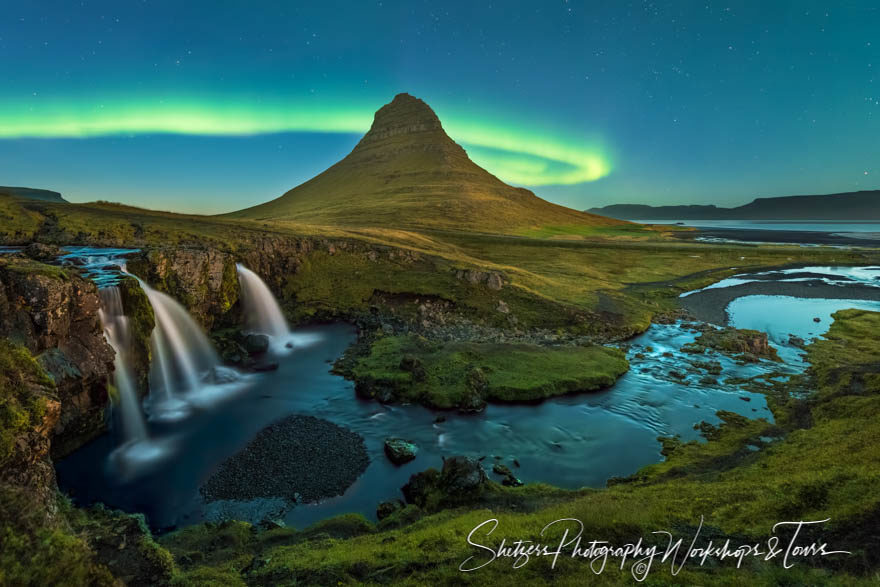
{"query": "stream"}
(571, 442)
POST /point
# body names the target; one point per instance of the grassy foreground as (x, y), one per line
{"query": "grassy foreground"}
(820, 463)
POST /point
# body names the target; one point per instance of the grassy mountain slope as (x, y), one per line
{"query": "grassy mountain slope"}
(406, 171)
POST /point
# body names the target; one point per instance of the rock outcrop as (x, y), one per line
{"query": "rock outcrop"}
(747, 344)
(54, 314)
(461, 481)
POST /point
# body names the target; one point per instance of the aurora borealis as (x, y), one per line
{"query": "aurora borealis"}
(212, 107)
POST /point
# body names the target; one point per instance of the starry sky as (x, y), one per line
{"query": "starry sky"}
(215, 106)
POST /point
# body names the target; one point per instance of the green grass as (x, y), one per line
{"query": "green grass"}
(37, 551)
(23, 389)
(466, 375)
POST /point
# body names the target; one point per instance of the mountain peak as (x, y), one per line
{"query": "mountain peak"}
(404, 115)
(407, 172)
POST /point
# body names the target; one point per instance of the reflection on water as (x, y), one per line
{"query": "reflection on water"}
(781, 316)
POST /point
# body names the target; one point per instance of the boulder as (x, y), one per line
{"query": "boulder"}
(461, 481)
(462, 476)
(400, 451)
(256, 343)
(41, 252)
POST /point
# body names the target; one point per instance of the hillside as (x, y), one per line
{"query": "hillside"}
(407, 172)
(863, 205)
(32, 194)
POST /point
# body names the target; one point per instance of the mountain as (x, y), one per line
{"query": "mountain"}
(863, 205)
(407, 172)
(32, 194)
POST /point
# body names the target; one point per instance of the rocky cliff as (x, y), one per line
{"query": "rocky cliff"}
(53, 314)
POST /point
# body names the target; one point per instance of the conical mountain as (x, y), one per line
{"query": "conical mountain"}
(407, 173)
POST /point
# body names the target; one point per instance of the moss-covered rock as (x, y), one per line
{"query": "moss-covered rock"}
(141, 320)
(123, 543)
(400, 451)
(41, 549)
(747, 344)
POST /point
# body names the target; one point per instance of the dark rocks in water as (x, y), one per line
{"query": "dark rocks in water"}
(817, 319)
(462, 475)
(509, 479)
(298, 458)
(796, 341)
(256, 343)
(677, 375)
(708, 380)
(439, 419)
(422, 489)
(386, 508)
(711, 367)
(461, 481)
(220, 375)
(263, 366)
(41, 252)
(400, 451)
(735, 341)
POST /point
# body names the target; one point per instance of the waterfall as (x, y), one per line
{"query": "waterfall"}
(182, 355)
(116, 330)
(262, 314)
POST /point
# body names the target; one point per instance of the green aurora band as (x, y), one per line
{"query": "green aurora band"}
(520, 156)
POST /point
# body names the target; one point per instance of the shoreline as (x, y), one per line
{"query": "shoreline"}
(710, 305)
(784, 237)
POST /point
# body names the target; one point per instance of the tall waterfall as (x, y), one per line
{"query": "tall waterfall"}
(262, 313)
(117, 332)
(182, 355)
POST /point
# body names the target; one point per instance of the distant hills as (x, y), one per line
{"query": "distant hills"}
(863, 205)
(32, 194)
(407, 172)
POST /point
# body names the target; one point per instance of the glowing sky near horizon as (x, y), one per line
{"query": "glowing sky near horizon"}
(515, 154)
(208, 107)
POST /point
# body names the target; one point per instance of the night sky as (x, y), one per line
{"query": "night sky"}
(215, 106)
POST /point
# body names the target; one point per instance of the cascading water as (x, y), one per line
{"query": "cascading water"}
(116, 330)
(182, 355)
(262, 313)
